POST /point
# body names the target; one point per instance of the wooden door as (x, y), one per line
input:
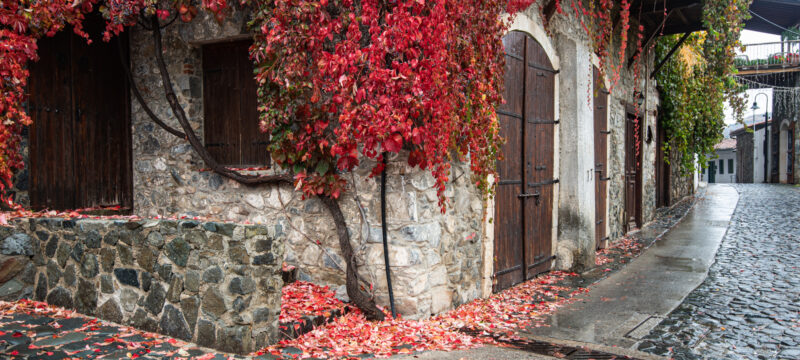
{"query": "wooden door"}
(712, 172)
(80, 150)
(633, 173)
(600, 158)
(524, 198)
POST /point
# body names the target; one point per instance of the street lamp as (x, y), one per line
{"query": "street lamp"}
(766, 131)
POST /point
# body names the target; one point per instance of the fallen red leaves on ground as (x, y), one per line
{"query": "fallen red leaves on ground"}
(625, 247)
(302, 298)
(503, 313)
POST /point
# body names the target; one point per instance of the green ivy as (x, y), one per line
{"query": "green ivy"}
(695, 84)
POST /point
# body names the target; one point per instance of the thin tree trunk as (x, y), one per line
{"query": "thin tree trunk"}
(358, 297)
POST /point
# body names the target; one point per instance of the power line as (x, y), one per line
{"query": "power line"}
(759, 85)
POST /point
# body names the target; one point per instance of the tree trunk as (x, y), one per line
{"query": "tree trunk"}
(358, 297)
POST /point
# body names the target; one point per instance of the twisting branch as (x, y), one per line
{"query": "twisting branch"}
(140, 99)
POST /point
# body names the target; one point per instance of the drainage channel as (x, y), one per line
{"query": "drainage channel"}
(551, 349)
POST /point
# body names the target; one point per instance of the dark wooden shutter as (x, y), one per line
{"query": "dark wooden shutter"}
(80, 148)
(790, 154)
(232, 132)
(102, 128)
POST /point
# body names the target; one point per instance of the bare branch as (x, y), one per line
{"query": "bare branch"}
(140, 99)
(198, 147)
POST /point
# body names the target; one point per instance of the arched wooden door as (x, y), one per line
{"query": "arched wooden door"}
(524, 200)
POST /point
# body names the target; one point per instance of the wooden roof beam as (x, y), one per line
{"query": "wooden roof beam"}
(669, 54)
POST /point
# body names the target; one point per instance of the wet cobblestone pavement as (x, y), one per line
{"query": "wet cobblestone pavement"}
(749, 306)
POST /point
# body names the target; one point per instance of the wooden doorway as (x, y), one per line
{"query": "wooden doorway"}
(600, 159)
(662, 168)
(80, 140)
(524, 199)
(712, 172)
(633, 172)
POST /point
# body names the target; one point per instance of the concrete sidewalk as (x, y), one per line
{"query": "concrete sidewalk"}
(621, 309)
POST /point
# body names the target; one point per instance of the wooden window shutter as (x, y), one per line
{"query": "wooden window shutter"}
(231, 129)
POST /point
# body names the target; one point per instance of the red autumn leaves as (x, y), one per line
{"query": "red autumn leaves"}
(302, 298)
(343, 79)
(501, 314)
(23, 23)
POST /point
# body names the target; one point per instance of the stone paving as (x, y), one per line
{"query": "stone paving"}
(66, 335)
(749, 306)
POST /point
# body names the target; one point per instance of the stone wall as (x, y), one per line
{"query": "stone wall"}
(682, 185)
(216, 284)
(434, 257)
(744, 157)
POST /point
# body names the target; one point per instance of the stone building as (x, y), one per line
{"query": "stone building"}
(750, 153)
(210, 249)
(785, 134)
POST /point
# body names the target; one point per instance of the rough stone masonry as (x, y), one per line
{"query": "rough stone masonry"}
(216, 284)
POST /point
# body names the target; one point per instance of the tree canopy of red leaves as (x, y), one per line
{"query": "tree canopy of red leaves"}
(342, 78)
(338, 78)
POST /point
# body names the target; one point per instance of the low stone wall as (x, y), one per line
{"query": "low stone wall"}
(216, 284)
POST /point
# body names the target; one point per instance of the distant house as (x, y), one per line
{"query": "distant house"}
(722, 168)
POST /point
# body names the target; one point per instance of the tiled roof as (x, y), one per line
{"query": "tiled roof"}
(726, 144)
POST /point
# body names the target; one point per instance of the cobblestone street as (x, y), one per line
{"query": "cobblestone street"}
(749, 306)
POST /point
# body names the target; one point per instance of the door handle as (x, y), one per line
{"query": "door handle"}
(527, 195)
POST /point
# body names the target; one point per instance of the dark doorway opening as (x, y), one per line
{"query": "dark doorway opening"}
(633, 172)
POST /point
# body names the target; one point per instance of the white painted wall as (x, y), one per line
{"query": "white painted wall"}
(728, 173)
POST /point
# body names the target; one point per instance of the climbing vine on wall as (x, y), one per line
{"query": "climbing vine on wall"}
(694, 87)
(340, 79)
